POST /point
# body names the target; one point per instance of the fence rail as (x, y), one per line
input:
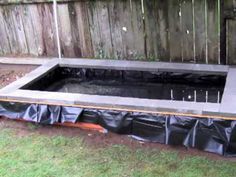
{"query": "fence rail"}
(163, 30)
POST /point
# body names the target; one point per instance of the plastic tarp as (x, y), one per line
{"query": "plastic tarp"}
(136, 84)
(211, 135)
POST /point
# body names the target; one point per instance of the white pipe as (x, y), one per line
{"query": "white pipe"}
(195, 96)
(171, 94)
(218, 97)
(57, 29)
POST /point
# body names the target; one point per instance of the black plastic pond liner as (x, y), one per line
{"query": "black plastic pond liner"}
(211, 135)
(200, 87)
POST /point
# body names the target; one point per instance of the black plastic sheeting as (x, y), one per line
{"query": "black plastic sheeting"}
(211, 135)
(144, 84)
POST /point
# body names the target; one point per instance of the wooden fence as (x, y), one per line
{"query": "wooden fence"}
(200, 31)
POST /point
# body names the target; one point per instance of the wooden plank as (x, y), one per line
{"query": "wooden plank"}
(125, 17)
(213, 47)
(162, 9)
(29, 30)
(48, 33)
(10, 28)
(64, 23)
(175, 30)
(152, 29)
(38, 26)
(231, 42)
(156, 29)
(95, 30)
(104, 28)
(74, 28)
(188, 50)
(4, 43)
(137, 22)
(114, 8)
(200, 31)
(20, 29)
(81, 30)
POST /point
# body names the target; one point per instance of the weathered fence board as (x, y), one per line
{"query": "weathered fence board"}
(67, 45)
(116, 28)
(163, 30)
(4, 42)
(230, 6)
(49, 33)
(104, 29)
(156, 30)
(200, 31)
(175, 30)
(10, 29)
(212, 32)
(231, 41)
(81, 29)
(187, 31)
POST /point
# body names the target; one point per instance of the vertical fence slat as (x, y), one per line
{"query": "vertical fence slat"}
(115, 8)
(30, 35)
(231, 41)
(4, 43)
(64, 23)
(137, 30)
(212, 31)
(81, 30)
(200, 31)
(75, 16)
(19, 30)
(156, 29)
(95, 30)
(175, 31)
(164, 51)
(38, 26)
(151, 29)
(104, 28)
(187, 30)
(126, 27)
(100, 29)
(48, 30)
(10, 28)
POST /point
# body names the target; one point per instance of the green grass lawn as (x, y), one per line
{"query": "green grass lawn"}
(36, 155)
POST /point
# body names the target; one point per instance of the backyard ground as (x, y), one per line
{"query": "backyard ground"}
(33, 150)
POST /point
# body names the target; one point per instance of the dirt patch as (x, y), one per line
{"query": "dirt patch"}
(10, 73)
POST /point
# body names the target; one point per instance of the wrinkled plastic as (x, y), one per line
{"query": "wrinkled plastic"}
(144, 84)
(211, 135)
